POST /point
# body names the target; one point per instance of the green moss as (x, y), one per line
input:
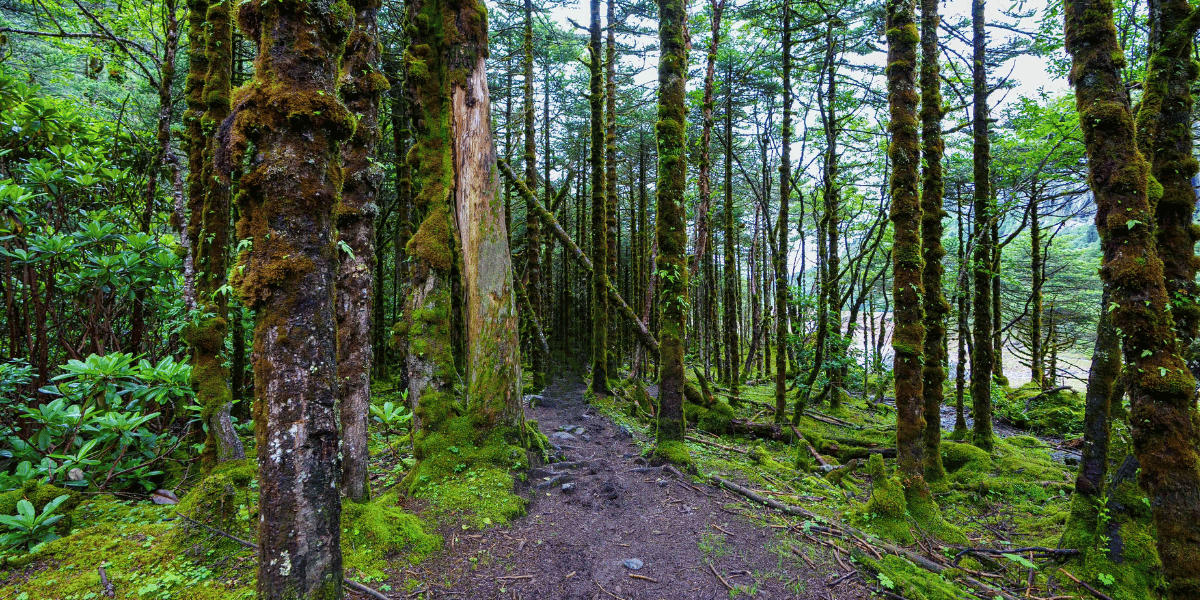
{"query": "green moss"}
(224, 500)
(885, 511)
(375, 531)
(431, 242)
(899, 576)
(966, 457)
(674, 452)
(465, 470)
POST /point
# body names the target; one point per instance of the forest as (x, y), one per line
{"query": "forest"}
(322, 299)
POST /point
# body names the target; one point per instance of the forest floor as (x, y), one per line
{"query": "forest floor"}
(602, 524)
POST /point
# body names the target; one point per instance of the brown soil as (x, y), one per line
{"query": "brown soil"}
(574, 540)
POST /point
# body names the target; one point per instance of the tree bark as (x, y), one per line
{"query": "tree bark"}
(780, 256)
(599, 383)
(362, 88)
(933, 372)
(982, 357)
(670, 230)
(1161, 389)
(291, 114)
(533, 226)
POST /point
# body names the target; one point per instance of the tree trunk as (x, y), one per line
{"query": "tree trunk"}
(670, 231)
(981, 355)
(291, 114)
(932, 192)
(1161, 389)
(907, 287)
(599, 337)
(780, 256)
(610, 177)
(533, 227)
(731, 305)
(362, 87)
(1037, 372)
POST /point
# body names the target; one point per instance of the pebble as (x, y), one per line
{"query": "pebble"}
(568, 488)
(623, 433)
(562, 435)
(579, 431)
(633, 564)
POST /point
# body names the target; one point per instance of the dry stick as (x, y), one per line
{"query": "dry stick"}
(350, 583)
(839, 580)
(636, 576)
(723, 582)
(915, 558)
(719, 528)
(808, 560)
(606, 591)
(108, 586)
(1094, 591)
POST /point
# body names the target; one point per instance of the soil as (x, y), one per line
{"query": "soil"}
(599, 509)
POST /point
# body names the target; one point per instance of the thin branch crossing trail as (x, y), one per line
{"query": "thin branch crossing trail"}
(602, 523)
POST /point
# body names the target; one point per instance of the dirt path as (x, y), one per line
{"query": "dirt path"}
(601, 524)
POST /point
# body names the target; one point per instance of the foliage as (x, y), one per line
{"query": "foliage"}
(29, 529)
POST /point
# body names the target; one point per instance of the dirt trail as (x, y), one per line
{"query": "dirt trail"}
(602, 524)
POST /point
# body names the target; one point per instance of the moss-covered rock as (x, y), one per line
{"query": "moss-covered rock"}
(226, 501)
(957, 457)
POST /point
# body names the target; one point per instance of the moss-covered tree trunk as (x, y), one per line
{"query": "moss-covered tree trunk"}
(362, 88)
(831, 196)
(599, 384)
(732, 231)
(611, 235)
(1164, 124)
(670, 226)
(291, 114)
(533, 227)
(964, 331)
(779, 258)
(907, 287)
(208, 225)
(1160, 387)
(1037, 371)
(932, 190)
(982, 357)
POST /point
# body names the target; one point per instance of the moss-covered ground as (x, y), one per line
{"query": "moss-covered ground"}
(1017, 496)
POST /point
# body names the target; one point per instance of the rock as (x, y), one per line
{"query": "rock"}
(584, 437)
(562, 435)
(539, 473)
(568, 488)
(632, 564)
(623, 433)
(578, 431)
(533, 400)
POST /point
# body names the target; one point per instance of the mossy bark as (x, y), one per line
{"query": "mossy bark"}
(907, 287)
(362, 86)
(731, 304)
(1097, 411)
(533, 225)
(208, 225)
(933, 371)
(291, 114)
(1164, 124)
(831, 196)
(611, 234)
(1037, 354)
(982, 356)
(599, 383)
(670, 228)
(779, 255)
(1160, 387)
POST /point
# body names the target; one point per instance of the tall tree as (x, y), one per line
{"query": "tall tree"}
(599, 384)
(208, 225)
(362, 88)
(290, 112)
(907, 287)
(982, 355)
(732, 278)
(670, 231)
(1160, 387)
(932, 188)
(781, 246)
(533, 227)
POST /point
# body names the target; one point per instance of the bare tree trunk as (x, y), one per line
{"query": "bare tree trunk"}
(362, 88)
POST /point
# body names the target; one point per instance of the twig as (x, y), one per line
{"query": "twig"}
(718, 575)
(108, 586)
(797, 552)
(839, 580)
(636, 576)
(719, 528)
(606, 591)
(692, 438)
(1094, 591)
(515, 577)
(350, 583)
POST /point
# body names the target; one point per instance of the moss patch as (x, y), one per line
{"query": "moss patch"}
(377, 530)
(899, 576)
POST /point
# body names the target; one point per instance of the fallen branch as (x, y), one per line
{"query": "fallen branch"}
(692, 438)
(1034, 552)
(636, 576)
(1094, 591)
(718, 575)
(350, 583)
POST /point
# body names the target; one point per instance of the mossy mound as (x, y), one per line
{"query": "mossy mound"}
(39, 495)
(965, 457)
(885, 512)
(1019, 467)
(466, 470)
(1059, 412)
(374, 531)
(674, 452)
(899, 576)
(224, 501)
(714, 419)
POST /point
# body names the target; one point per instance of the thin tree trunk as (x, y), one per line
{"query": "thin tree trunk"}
(599, 337)
(981, 356)
(362, 88)
(932, 192)
(780, 257)
(533, 231)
